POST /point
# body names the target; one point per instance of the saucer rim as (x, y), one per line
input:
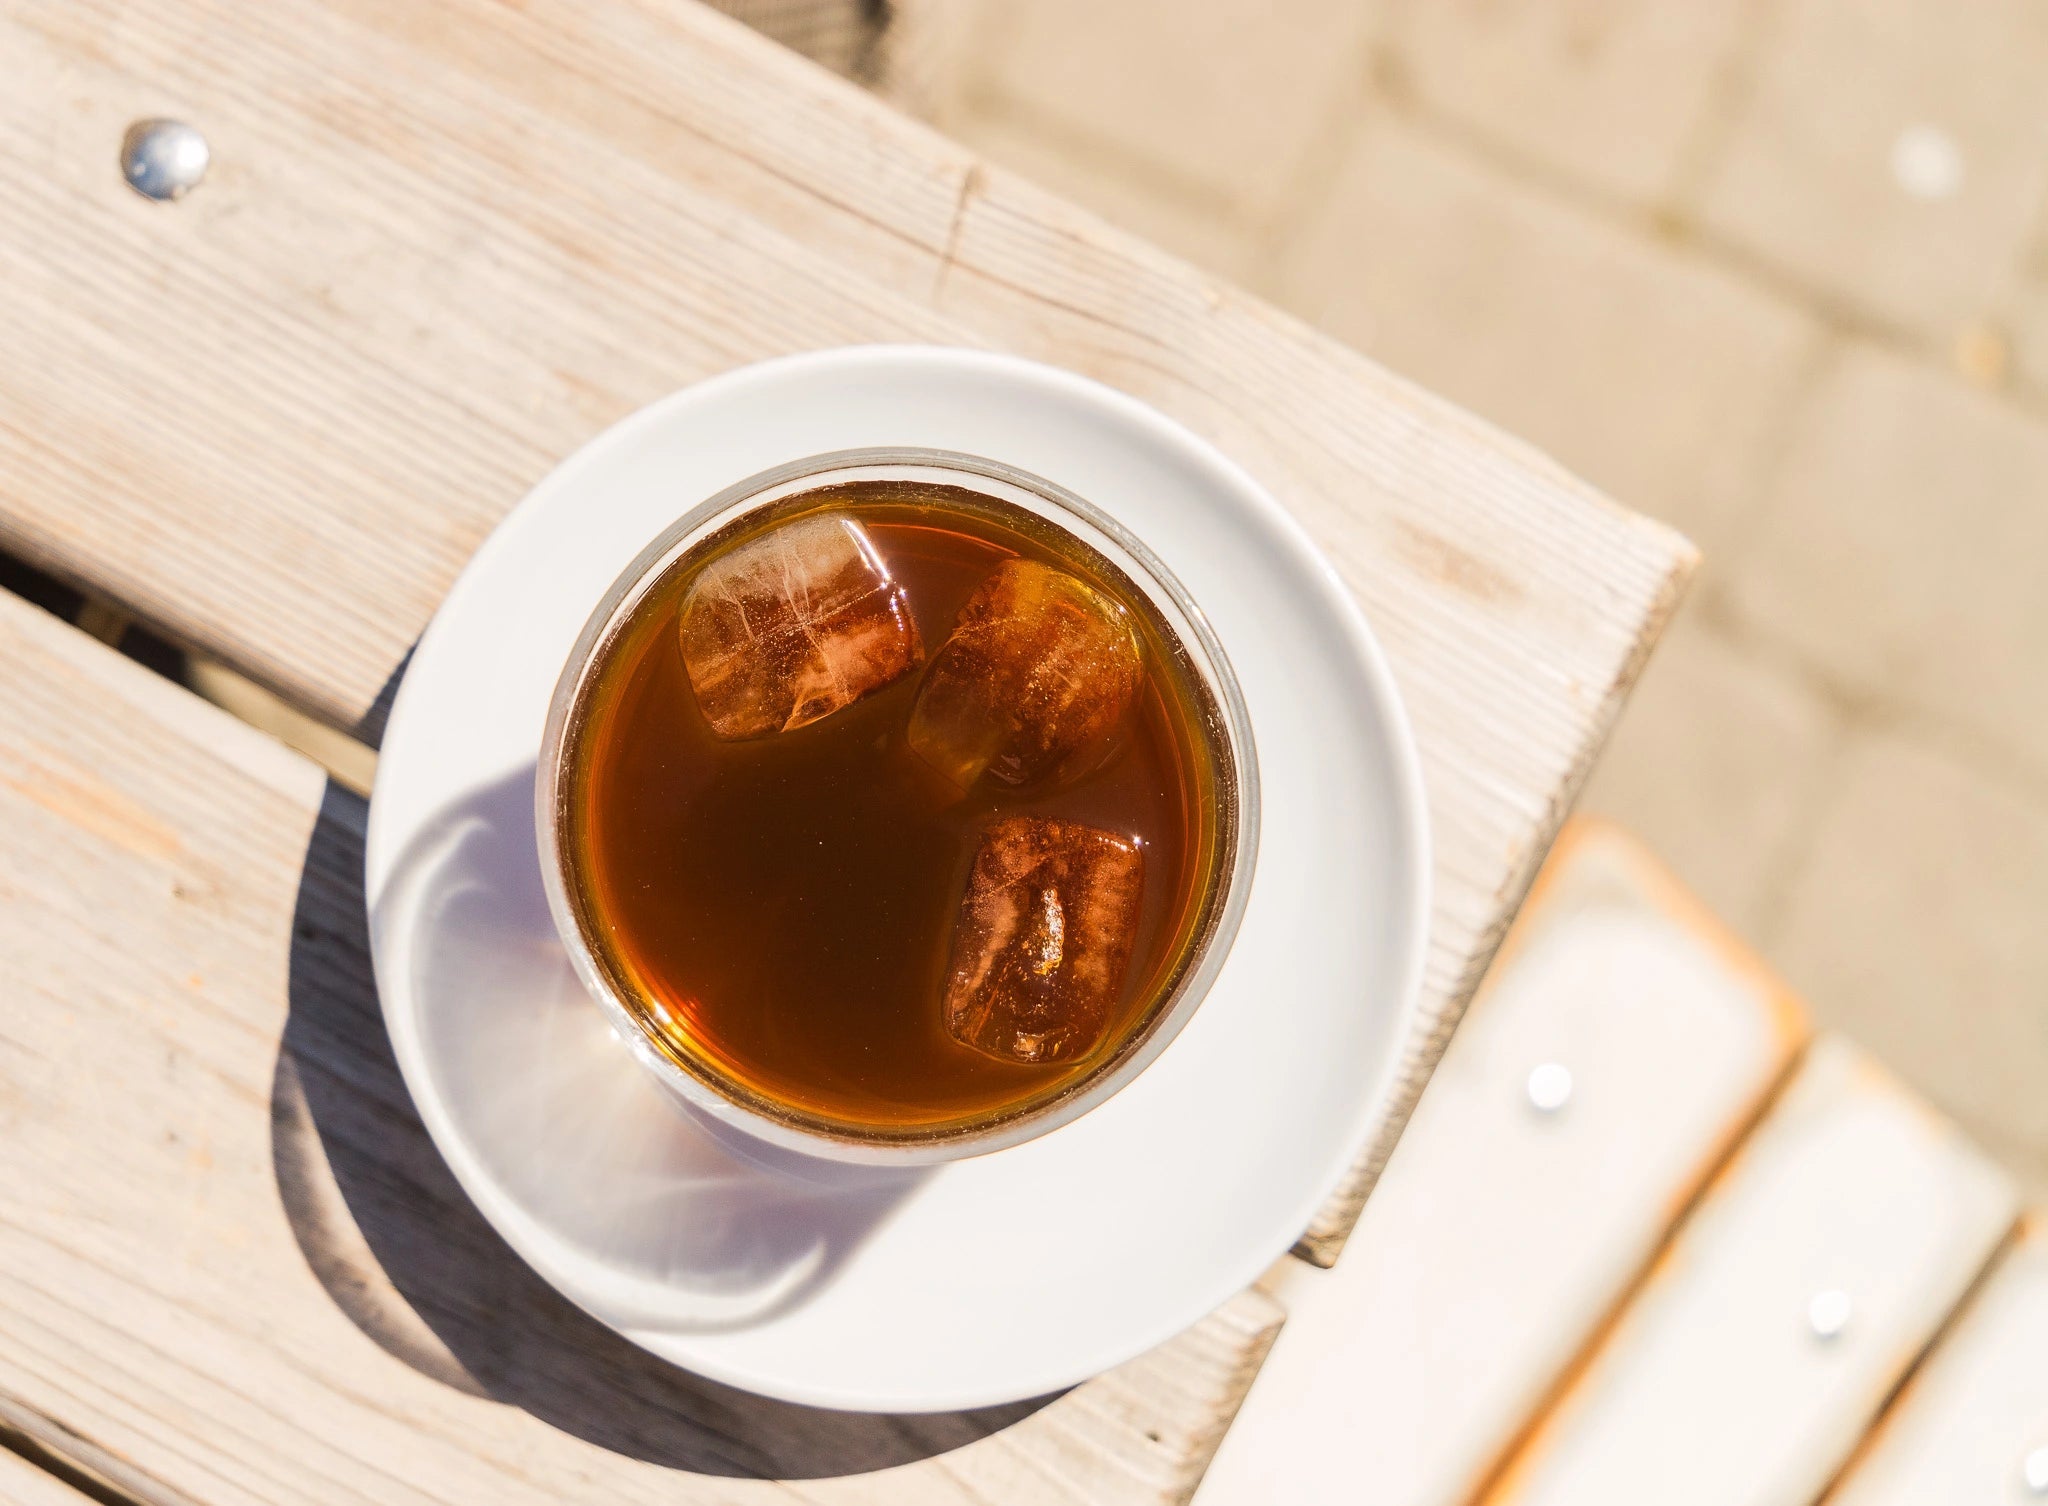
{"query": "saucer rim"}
(1406, 802)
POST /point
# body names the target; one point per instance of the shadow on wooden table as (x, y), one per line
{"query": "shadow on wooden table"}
(401, 1249)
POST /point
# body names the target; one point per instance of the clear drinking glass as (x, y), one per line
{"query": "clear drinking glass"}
(1230, 733)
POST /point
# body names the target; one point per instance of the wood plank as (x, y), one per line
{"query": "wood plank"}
(1502, 1237)
(1972, 1425)
(232, 1265)
(441, 244)
(23, 1484)
(1720, 1383)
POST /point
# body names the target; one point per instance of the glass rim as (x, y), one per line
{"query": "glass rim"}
(707, 1091)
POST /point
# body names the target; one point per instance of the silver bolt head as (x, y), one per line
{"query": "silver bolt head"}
(1549, 1087)
(1827, 1313)
(163, 159)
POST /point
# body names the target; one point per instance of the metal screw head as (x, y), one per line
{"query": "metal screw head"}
(2034, 1470)
(163, 159)
(1550, 1087)
(1827, 1313)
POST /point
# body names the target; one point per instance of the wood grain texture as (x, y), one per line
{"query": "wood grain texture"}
(233, 1269)
(1501, 1239)
(1712, 1388)
(443, 243)
(1961, 1432)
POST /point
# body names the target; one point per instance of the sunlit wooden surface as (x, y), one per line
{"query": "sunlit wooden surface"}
(441, 243)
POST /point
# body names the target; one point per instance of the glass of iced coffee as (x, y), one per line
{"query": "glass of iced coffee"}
(897, 806)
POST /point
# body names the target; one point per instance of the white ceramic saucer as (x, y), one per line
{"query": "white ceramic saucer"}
(981, 1281)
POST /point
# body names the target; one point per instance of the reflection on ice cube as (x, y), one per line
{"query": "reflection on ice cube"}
(794, 625)
(1040, 667)
(1043, 939)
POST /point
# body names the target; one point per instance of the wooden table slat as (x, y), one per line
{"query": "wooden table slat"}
(1502, 1238)
(234, 1265)
(1714, 1387)
(1971, 1418)
(441, 245)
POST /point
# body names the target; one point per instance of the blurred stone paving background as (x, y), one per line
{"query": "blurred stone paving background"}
(1773, 270)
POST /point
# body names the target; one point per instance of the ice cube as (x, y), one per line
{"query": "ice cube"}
(1042, 940)
(1040, 666)
(794, 625)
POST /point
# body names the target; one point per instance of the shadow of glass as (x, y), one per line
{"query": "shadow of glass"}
(369, 727)
(658, 1216)
(361, 1181)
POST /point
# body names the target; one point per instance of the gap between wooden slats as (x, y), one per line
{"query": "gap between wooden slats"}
(25, 1483)
(1966, 1423)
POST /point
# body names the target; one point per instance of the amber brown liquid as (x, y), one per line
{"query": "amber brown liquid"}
(781, 908)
